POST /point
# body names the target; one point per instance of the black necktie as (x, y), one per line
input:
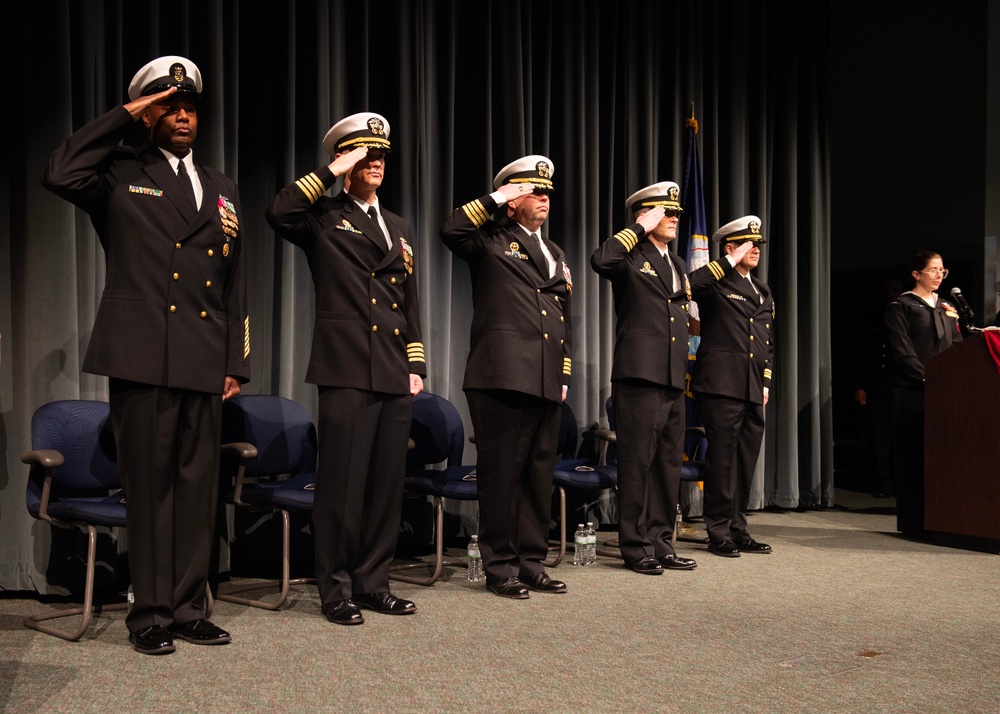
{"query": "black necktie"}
(186, 186)
(373, 214)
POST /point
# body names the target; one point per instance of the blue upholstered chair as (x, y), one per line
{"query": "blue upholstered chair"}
(73, 482)
(275, 441)
(434, 468)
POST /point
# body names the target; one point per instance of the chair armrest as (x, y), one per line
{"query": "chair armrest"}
(242, 449)
(602, 434)
(49, 458)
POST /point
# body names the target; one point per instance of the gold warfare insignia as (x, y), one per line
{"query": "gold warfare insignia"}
(515, 251)
(225, 250)
(647, 269)
(674, 193)
(230, 222)
(568, 277)
(543, 169)
(178, 72)
(754, 227)
(407, 255)
(346, 225)
(376, 126)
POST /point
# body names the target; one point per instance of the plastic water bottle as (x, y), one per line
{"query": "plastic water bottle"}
(591, 544)
(580, 546)
(475, 573)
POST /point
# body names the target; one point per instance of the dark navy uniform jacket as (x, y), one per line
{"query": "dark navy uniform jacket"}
(367, 333)
(174, 309)
(521, 317)
(651, 330)
(735, 358)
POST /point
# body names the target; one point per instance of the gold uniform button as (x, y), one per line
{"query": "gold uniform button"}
(210, 252)
(751, 338)
(392, 280)
(538, 290)
(546, 335)
(545, 313)
(374, 301)
(562, 319)
(687, 324)
(768, 326)
(208, 283)
(671, 319)
(396, 331)
(561, 341)
(669, 301)
(202, 314)
(177, 276)
(751, 319)
(751, 355)
(673, 339)
(374, 328)
(395, 306)
(177, 246)
(173, 308)
(373, 275)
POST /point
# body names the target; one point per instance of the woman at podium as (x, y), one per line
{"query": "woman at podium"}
(919, 325)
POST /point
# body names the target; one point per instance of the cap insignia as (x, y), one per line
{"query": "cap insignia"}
(178, 72)
(376, 125)
(754, 227)
(674, 193)
(543, 169)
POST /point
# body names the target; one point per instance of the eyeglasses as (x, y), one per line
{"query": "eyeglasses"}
(671, 212)
(936, 272)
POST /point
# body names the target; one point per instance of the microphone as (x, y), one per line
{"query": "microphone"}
(964, 309)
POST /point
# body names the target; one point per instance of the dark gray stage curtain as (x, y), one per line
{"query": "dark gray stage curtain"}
(603, 89)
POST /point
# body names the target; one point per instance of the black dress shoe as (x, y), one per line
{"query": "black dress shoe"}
(343, 612)
(675, 562)
(201, 632)
(152, 640)
(647, 566)
(386, 603)
(541, 582)
(751, 546)
(725, 548)
(511, 587)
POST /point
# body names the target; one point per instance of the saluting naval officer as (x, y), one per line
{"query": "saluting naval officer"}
(172, 334)
(518, 369)
(367, 361)
(652, 295)
(732, 378)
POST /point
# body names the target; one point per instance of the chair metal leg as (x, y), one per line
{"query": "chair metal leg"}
(88, 608)
(283, 584)
(439, 559)
(562, 531)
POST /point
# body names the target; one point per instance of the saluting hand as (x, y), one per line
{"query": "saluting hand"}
(140, 105)
(651, 218)
(511, 191)
(741, 250)
(345, 162)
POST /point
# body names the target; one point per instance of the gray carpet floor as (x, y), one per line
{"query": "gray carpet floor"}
(844, 616)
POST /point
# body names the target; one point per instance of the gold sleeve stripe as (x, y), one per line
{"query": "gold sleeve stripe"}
(415, 352)
(567, 366)
(311, 186)
(767, 374)
(246, 337)
(716, 270)
(627, 238)
(476, 213)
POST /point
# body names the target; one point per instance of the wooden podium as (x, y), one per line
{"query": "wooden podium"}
(962, 447)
